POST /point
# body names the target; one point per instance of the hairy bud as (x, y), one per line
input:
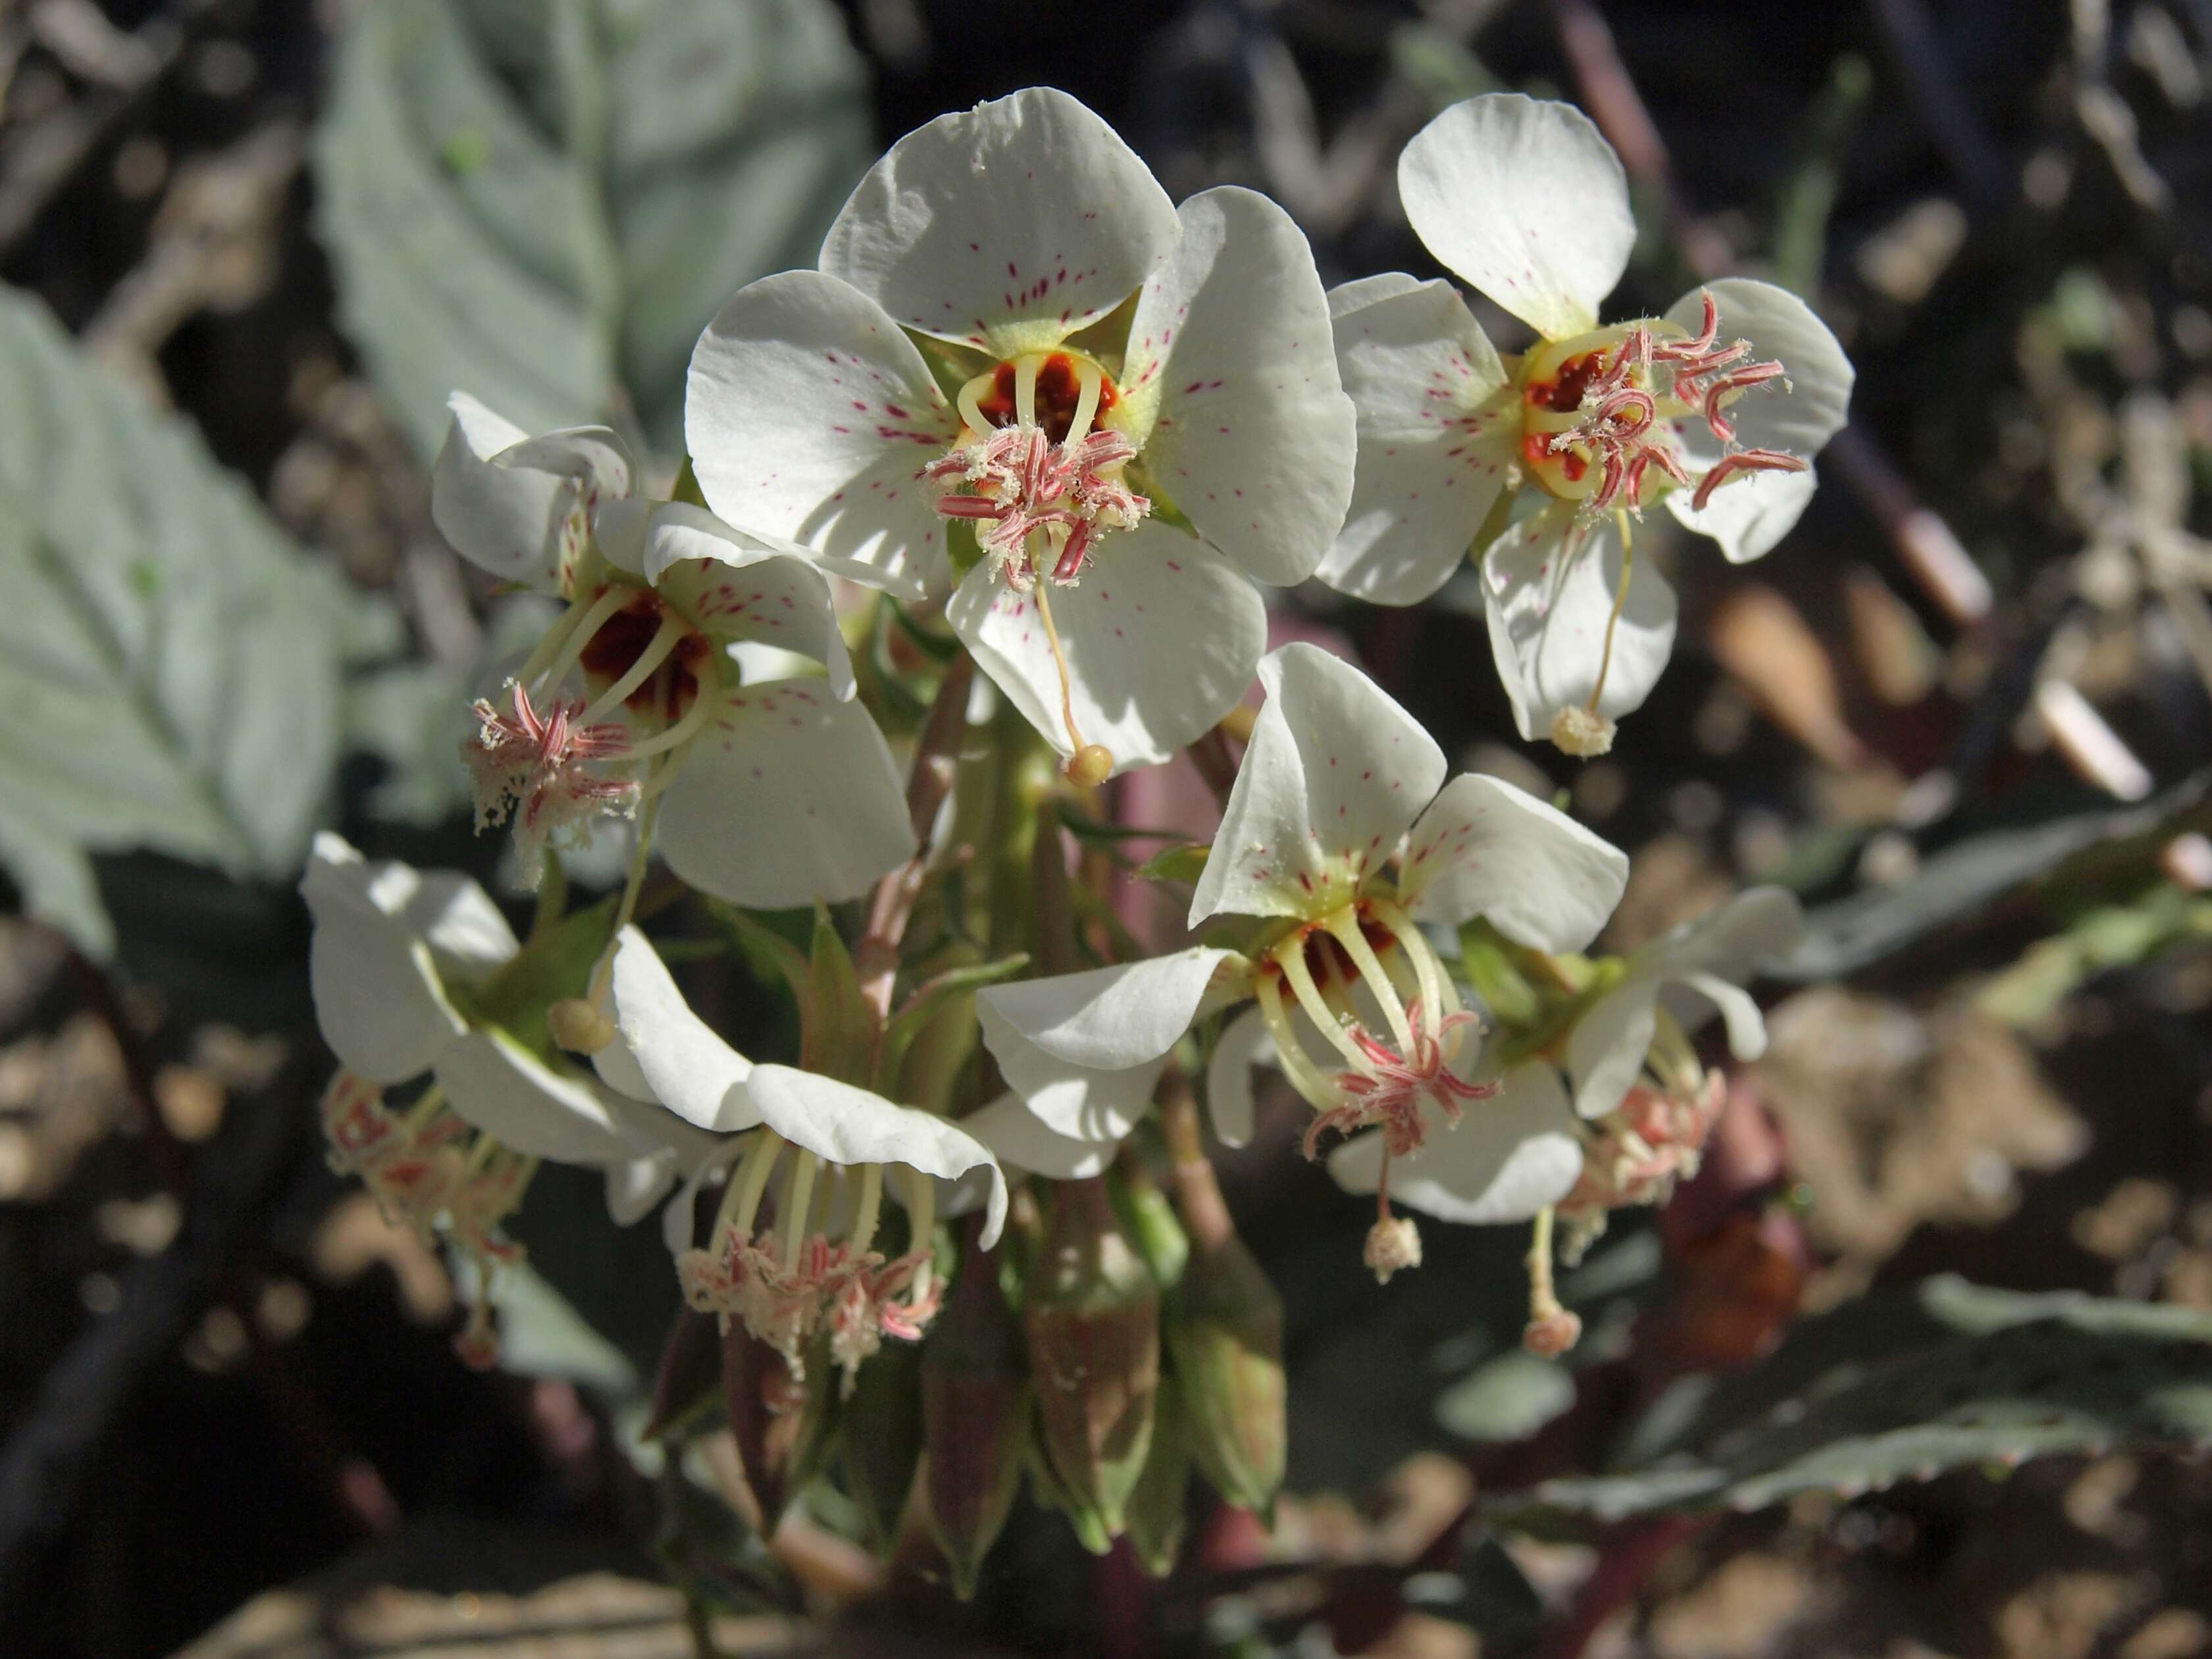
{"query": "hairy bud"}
(781, 1422)
(1224, 1330)
(1158, 1510)
(1093, 1319)
(883, 1437)
(975, 1417)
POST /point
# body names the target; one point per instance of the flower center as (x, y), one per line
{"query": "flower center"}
(799, 1275)
(1372, 989)
(544, 760)
(1598, 412)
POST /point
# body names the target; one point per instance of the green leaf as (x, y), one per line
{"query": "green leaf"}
(1183, 864)
(542, 203)
(1963, 879)
(1893, 1389)
(170, 664)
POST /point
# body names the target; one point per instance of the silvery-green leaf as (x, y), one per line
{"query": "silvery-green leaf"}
(170, 664)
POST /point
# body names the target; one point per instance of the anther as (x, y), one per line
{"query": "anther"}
(578, 1026)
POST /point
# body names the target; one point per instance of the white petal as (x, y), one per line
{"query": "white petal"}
(1485, 848)
(809, 416)
(852, 1126)
(495, 1084)
(1434, 449)
(509, 502)
(734, 586)
(386, 935)
(1111, 1018)
(1334, 774)
(1746, 1028)
(1605, 1050)
(1244, 1043)
(1548, 609)
(636, 1184)
(1509, 1157)
(1161, 635)
(1020, 1140)
(788, 796)
(1363, 291)
(683, 1063)
(1781, 327)
(1007, 227)
(1086, 1103)
(1748, 514)
(1527, 201)
(1231, 388)
(680, 1220)
(1734, 939)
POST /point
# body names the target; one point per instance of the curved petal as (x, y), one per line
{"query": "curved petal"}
(1019, 1140)
(1548, 609)
(850, 1127)
(1810, 406)
(1007, 227)
(1484, 848)
(386, 935)
(517, 506)
(1086, 1102)
(1361, 292)
(809, 416)
(1232, 390)
(1738, 1009)
(1162, 634)
(680, 1220)
(1527, 201)
(679, 1057)
(1508, 1158)
(1108, 1019)
(1244, 1043)
(1605, 1050)
(494, 1083)
(734, 586)
(1334, 774)
(636, 1184)
(1733, 939)
(1749, 512)
(787, 797)
(1435, 447)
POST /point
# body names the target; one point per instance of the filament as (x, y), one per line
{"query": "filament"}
(1059, 661)
(1620, 602)
(664, 641)
(549, 677)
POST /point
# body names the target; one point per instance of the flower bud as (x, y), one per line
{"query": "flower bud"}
(781, 1422)
(1093, 1319)
(975, 1417)
(1225, 1331)
(690, 1374)
(578, 1026)
(1158, 1509)
(883, 1437)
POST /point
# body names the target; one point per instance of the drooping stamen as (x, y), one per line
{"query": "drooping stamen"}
(1744, 460)
(1088, 763)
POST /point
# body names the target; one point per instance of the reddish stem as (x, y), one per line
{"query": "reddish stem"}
(936, 762)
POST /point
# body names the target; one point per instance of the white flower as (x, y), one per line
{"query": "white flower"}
(659, 594)
(1338, 783)
(1629, 1133)
(1717, 408)
(410, 974)
(815, 1266)
(1108, 357)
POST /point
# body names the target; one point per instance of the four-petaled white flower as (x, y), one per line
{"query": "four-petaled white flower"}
(1108, 357)
(1606, 1133)
(813, 1267)
(658, 594)
(410, 973)
(1526, 202)
(1341, 834)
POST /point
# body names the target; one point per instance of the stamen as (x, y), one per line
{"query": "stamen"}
(1025, 379)
(740, 1203)
(1620, 603)
(1088, 763)
(1551, 1330)
(864, 1212)
(1744, 460)
(1291, 957)
(1344, 927)
(702, 707)
(664, 639)
(1087, 376)
(573, 645)
(798, 1201)
(921, 1223)
(1304, 1076)
(971, 404)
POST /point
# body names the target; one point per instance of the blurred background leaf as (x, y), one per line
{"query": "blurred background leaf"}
(170, 665)
(544, 204)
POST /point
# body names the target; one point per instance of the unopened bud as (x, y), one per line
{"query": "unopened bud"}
(1225, 1329)
(1158, 1509)
(1551, 1334)
(975, 1417)
(780, 1424)
(1393, 1243)
(1582, 732)
(690, 1378)
(578, 1026)
(1089, 766)
(1093, 1320)
(883, 1437)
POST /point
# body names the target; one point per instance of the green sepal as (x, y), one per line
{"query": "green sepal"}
(1488, 966)
(1183, 864)
(555, 962)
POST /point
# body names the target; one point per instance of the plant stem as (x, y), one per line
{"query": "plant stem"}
(936, 763)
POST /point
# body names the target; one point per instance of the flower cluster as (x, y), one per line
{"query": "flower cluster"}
(1029, 416)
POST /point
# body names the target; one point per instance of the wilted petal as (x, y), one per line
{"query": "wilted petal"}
(518, 506)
